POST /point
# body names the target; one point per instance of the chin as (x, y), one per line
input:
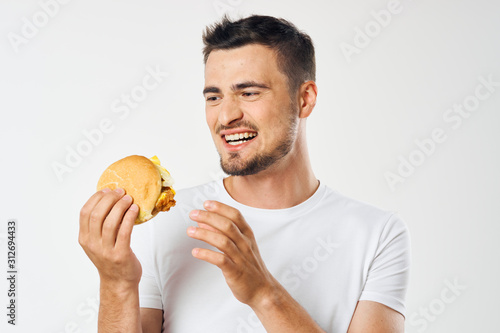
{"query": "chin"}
(252, 166)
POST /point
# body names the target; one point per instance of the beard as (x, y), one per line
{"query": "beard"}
(234, 165)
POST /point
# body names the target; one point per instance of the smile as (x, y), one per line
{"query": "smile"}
(239, 138)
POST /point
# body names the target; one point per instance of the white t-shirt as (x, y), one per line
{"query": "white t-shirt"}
(329, 252)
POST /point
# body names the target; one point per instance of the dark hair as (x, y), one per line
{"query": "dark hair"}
(294, 49)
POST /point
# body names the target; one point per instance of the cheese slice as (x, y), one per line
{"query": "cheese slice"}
(167, 180)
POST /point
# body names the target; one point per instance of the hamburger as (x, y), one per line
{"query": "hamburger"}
(145, 180)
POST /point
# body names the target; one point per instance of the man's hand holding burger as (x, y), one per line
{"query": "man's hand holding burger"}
(106, 223)
(130, 191)
(108, 217)
(245, 272)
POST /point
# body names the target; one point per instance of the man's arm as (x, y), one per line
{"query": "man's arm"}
(223, 227)
(287, 315)
(118, 310)
(152, 320)
(373, 317)
(106, 223)
(279, 312)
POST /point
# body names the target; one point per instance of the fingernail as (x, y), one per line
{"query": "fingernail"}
(106, 190)
(127, 198)
(208, 204)
(191, 230)
(194, 213)
(134, 208)
(119, 190)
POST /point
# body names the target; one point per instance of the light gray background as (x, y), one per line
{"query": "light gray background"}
(371, 108)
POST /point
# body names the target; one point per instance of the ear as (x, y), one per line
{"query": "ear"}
(307, 98)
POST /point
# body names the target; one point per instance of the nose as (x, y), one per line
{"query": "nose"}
(230, 111)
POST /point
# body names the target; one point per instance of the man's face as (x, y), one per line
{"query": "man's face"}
(251, 116)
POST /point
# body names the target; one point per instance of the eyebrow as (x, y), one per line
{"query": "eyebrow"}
(211, 90)
(237, 86)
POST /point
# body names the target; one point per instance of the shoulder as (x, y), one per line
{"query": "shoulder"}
(354, 208)
(360, 215)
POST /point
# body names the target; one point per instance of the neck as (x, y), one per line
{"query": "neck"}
(285, 184)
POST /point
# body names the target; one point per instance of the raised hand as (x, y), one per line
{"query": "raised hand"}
(239, 259)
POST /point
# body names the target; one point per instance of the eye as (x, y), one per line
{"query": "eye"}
(250, 94)
(212, 98)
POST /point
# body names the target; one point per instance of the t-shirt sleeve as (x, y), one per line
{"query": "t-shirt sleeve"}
(389, 271)
(142, 245)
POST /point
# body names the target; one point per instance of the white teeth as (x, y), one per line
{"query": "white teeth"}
(235, 143)
(239, 136)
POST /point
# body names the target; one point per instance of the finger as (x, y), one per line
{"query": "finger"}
(213, 257)
(125, 230)
(87, 210)
(215, 221)
(101, 210)
(230, 213)
(113, 221)
(208, 227)
(218, 240)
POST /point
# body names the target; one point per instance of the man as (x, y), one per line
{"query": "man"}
(269, 248)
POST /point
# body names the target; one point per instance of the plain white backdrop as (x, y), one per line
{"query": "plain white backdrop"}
(392, 76)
